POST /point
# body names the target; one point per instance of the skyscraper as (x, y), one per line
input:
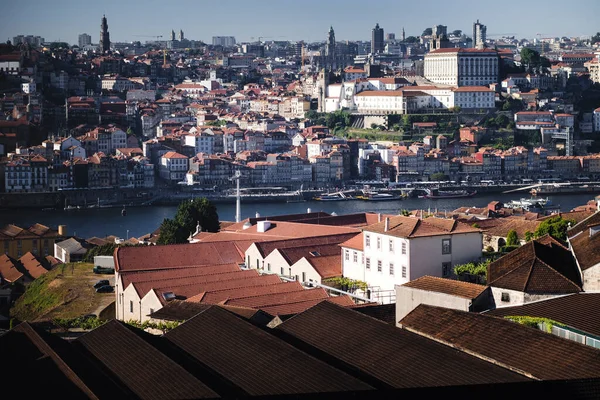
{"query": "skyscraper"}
(181, 35)
(479, 33)
(172, 35)
(104, 36)
(84, 40)
(377, 40)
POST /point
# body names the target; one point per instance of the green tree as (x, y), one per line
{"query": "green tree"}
(528, 236)
(189, 214)
(129, 131)
(555, 227)
(427, 32)
(411, 39)
(511, 238)
(596, 38)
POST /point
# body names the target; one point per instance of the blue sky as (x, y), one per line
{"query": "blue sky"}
(291, 20)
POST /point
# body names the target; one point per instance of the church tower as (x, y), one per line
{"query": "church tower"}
(330, 56)
(104, 36)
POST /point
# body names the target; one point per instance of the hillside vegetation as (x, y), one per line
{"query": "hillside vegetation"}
(64, 292)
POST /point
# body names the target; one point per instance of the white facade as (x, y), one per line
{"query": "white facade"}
(596, 119)
(28, 87)
(118, 84)
(407, 299)
(508, 298)
(202, 142)
(173, 167)
(390, 260)
(462, 67)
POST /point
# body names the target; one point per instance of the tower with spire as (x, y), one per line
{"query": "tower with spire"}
(330, 55)
(104, 36)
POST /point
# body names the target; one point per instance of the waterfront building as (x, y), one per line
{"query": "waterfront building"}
(173, 167)
(37, 239)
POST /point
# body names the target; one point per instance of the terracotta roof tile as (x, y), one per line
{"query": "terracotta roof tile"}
(8, 270)
(536, 353)
(410, 227)
(410, 360)
(258, 363)
(448, 286)
(218, 296)
(32, 265)
(356, 243)
(539, 266)
(586, 247)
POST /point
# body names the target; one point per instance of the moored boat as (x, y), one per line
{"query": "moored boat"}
(449, 194)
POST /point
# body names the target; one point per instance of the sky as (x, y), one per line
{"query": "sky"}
(309, 20)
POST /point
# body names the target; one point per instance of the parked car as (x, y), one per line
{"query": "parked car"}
(103, 270)
(105, 289)
(101, 282)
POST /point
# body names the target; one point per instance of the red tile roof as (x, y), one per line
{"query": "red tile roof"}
(412, 227)
(447, 286)
(32, 265)
(8, 270)
(219, 296)
(176, 256)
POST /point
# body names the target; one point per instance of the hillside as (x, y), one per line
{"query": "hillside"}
(64, 292)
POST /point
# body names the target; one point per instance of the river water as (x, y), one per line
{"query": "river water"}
(142, 220)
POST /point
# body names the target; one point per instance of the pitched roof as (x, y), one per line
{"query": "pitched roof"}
(392, 356)
(32, 265)
(288, 309)
(447, 286)
(579, 311)
(583, 225)
(521, 348)
(586, 248)
(175, 273)
(273, 299)
(8, 270)
(225, 295)
(411, 227)
(265, 248)
(356, 242)
(519, 225)
(176, 256)
(146, 371)
(326, 266)
(253, 360)
(72, 246)
(31, 353)
(539, 266)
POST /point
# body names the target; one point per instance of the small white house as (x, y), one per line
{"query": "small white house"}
(400, 249)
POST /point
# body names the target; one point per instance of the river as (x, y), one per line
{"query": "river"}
(142, 220)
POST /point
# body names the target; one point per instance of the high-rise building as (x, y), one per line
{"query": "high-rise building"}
(377, 43)
(35, 41)
(104, 36)
(181, 35)
(479, 35)
(390, 37)
(172, 34)
(225, 41)
(84, 40)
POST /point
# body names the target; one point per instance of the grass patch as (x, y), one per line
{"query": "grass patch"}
(64, 292)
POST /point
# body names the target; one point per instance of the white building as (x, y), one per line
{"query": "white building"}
(400, 249)
(596, 119)
(462, 67)
(118, 83)
(474, 97)
(173, 166)
(203, 142)
(29, 87)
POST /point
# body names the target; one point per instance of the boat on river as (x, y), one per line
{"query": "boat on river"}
(370, 195)
(335, 196)
(448, 194)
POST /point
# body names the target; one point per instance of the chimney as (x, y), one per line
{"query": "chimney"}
(387, 224)
(62, 230)
(257, 215)
(308, 210)
(594, 229)
(263, 226)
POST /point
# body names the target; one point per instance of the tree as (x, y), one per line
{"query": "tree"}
(596, 38)
(511, 238)
(129, 131)
(528, 236)
(189, 214)
(427, 32)
(555, 227)
(411, 39)
(457, 33)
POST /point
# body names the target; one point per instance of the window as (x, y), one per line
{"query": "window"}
(257, 264)
(446, 268)
(391, 268)
(347, 255)
(130, 306)
(355, 257)
(404, 271)
(304, 277)
(269, 267)
(368, 263)
(446, 246)
(282, 271)
(391, 246)
(403, 248)
(248, 262)
(505, 296)
(378, 243)
(379, 266)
